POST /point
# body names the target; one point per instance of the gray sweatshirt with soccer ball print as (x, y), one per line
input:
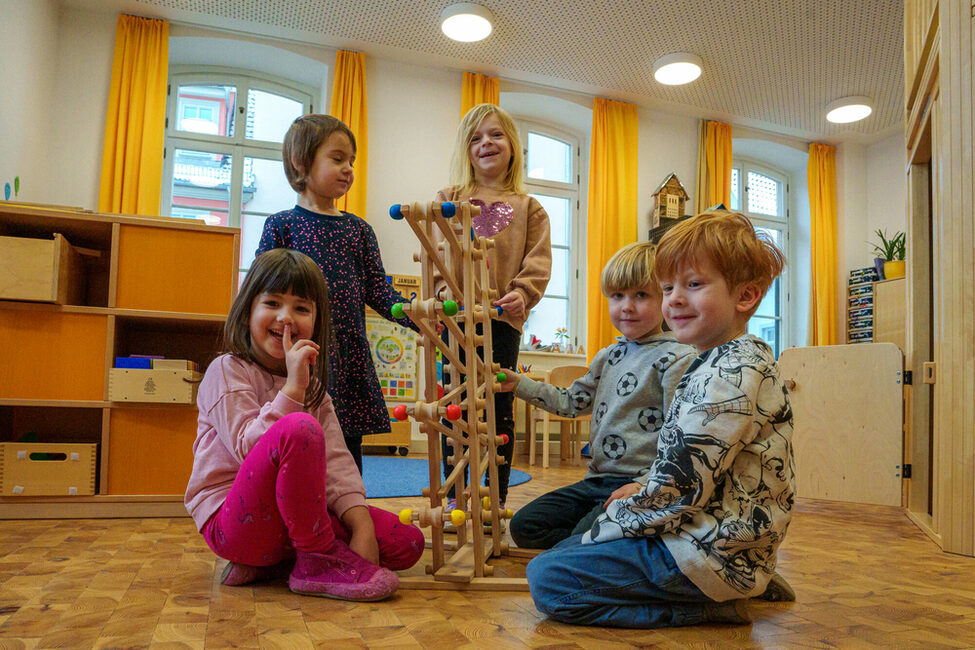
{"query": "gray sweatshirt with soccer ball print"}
(628, 389)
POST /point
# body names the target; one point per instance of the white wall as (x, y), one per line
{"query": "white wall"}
(886, 188)
(668, 143)
(85, 48)
(413, 116)
(28, 59)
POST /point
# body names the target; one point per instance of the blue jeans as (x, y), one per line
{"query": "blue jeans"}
(567, 511)
(632, 582)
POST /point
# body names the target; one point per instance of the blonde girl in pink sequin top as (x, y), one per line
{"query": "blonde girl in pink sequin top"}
(487, 169)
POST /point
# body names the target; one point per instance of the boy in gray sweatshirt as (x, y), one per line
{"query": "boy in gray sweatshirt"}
(628, 389)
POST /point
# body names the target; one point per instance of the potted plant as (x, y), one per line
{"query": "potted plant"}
(892, 249)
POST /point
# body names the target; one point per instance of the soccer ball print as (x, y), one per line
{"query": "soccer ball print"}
(614, 447)
(581, 400)
(627, 384)
(617, 353)
(650, 419)
(597, 416)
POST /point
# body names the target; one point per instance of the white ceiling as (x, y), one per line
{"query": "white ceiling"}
(769, 64)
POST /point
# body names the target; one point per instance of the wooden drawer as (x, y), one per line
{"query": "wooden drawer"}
(159, 385)
(43, 270)
(47, 469)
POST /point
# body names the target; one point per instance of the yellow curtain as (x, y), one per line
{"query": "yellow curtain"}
(612, 210)
(132, 152)
(349, 105)
(821, 176)
(713, 166)
(478, 89)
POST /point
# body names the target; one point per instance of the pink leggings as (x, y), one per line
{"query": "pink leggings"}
(277, 505)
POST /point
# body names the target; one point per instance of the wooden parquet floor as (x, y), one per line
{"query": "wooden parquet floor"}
(866, 577)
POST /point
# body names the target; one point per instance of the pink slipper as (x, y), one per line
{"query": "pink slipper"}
(236, 574)
(341, 573)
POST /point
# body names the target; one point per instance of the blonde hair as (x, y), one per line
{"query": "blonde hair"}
(306, 134)
(631, 267)
(282, 270)
(726, 239)
(461, 169)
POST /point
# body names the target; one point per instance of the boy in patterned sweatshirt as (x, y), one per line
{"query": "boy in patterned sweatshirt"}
(702, 534)
(627, 389)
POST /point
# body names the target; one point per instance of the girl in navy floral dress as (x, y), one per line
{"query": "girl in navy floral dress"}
(319, 152)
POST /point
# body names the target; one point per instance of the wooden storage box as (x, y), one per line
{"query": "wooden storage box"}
(42, 469)
(398, 439)
(162, 385)
(42, 270)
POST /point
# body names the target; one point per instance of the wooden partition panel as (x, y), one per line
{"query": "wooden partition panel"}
(151, 450)
(53, 355)
(169, 269)
(848, 418)
(954, 241)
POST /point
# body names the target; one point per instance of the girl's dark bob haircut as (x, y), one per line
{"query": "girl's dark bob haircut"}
(283, 270)
(306, 134)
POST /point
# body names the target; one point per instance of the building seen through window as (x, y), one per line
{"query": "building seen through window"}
(552, 178)
(217, 172)
(762, 195)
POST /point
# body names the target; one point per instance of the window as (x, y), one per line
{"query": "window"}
(552, 178)
(218, 172)
(762, 194)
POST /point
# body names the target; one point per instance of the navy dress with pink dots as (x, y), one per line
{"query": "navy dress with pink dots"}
(346, 249)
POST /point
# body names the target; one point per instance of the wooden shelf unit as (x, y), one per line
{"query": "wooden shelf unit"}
(152, 286)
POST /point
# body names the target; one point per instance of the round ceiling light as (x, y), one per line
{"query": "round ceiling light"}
(677, 69)
(466, 22)
(849, 109)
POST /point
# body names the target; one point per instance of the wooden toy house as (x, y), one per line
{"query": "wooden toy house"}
(668, 201)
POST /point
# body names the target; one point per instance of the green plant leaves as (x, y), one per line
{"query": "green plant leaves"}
(890, 248)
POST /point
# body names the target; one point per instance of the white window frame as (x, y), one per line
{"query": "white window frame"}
(238, 147)
(782, 222)
(572, 190)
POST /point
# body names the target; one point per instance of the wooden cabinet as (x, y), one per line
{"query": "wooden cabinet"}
(147, 286)
(889, 315)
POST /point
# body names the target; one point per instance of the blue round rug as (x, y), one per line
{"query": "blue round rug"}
(392, 476)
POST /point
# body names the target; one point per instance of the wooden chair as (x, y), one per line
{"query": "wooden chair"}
(562, 376)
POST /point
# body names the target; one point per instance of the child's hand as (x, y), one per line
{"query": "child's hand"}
(363, 533)
(624, 492)
(511, 379)
(366, 546)
(299, 357)
(512, 303)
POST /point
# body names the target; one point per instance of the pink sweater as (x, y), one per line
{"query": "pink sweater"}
(238, 402)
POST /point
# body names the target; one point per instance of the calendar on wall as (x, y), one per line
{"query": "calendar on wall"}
(394, 347)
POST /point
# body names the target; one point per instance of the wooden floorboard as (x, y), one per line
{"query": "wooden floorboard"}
(865, 576)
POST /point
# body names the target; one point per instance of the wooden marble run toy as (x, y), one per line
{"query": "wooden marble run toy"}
(462, 409)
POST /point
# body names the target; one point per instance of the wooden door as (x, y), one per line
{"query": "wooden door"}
(847, 405)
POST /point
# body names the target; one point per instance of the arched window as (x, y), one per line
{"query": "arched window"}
(224, 130)
(761, 193)
(552, 177)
